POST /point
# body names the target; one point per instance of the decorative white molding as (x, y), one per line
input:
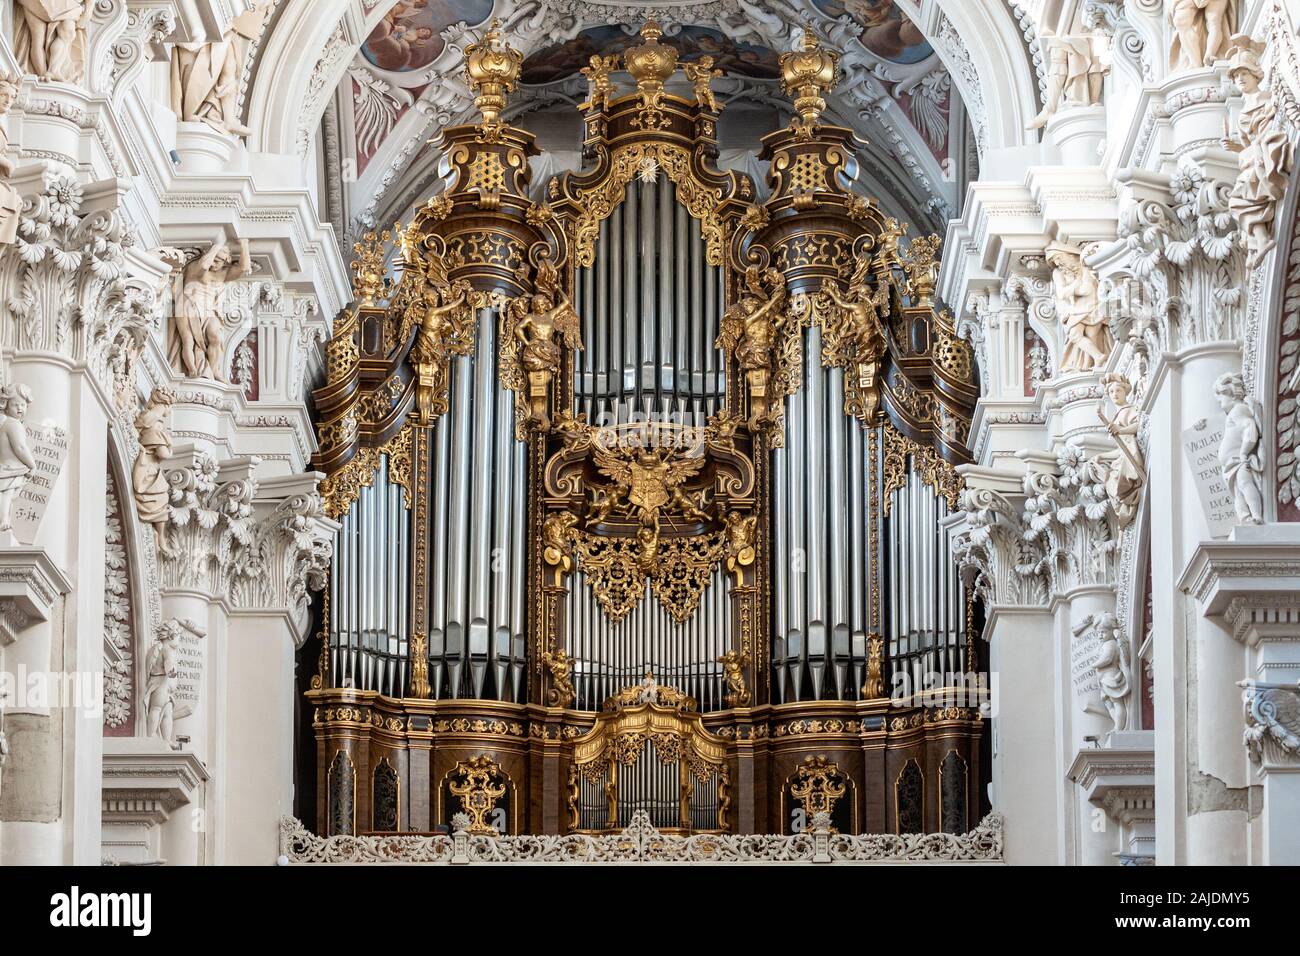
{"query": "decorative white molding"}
(119, 633)
(641, 842)
(30, 584)
(145, 782)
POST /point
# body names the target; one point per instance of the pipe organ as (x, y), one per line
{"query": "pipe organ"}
(646, 489)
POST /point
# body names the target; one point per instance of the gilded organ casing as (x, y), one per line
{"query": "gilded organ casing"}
(635, 478)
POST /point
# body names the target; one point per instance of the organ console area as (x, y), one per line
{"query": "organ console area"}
(645, 477)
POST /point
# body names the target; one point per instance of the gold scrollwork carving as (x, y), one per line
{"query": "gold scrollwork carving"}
(597, 202)
(369, 281)
(933, 470)
(480, 784)
(617, 568)
(873, 688)
(818, 785)
(341, 489)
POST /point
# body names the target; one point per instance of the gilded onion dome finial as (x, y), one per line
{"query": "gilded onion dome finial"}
(492, 68)
(650, 62)
(808, 74)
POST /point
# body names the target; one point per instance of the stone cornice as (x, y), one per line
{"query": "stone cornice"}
(140, 773)
(30, 583)
(1256, 565)
(1120, 778)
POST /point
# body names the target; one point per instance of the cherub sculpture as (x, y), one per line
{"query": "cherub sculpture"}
(599, 89)
(16, 459)
(701, 74)
(446, 328)
(855, 333)
(1241, 452)
(560, 666)
(733, 668)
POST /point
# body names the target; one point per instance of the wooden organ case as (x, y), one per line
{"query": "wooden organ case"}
(645, 489)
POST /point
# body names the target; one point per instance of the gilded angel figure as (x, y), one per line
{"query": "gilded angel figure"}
(542, 323)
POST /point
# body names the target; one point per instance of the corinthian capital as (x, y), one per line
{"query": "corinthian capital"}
(291, 553)
(1072, 521)
(1183, 247)
(995, 555)
(212, 526)
(70, 274)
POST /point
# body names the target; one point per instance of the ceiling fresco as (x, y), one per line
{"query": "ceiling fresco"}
(887, 32)
(408, 77)
(409, 37)
(562, 60)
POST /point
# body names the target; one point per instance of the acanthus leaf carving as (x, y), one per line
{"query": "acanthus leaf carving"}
(1186, 257)
(67, 285)
(1072, 519)
(291, 552)
(996, 557)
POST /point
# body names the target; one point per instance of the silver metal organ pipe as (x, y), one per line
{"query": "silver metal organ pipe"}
(681, 285)
(698, 346)
(670, 320)
(815, 546)
(479, 505)
(500, 561)
(354, 604)
(857, 527)
(631, 287)
(650, 318)
(458, 532)
(796, 647)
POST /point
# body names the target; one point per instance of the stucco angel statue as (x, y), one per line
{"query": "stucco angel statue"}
(1263, 154)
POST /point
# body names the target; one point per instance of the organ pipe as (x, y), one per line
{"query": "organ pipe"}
(369, 590)
(477, 551)
(639, 321)
(822, 565)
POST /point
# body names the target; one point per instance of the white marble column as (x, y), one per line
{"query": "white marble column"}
(1244, 588)
(1021, 656)
(50, 813)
